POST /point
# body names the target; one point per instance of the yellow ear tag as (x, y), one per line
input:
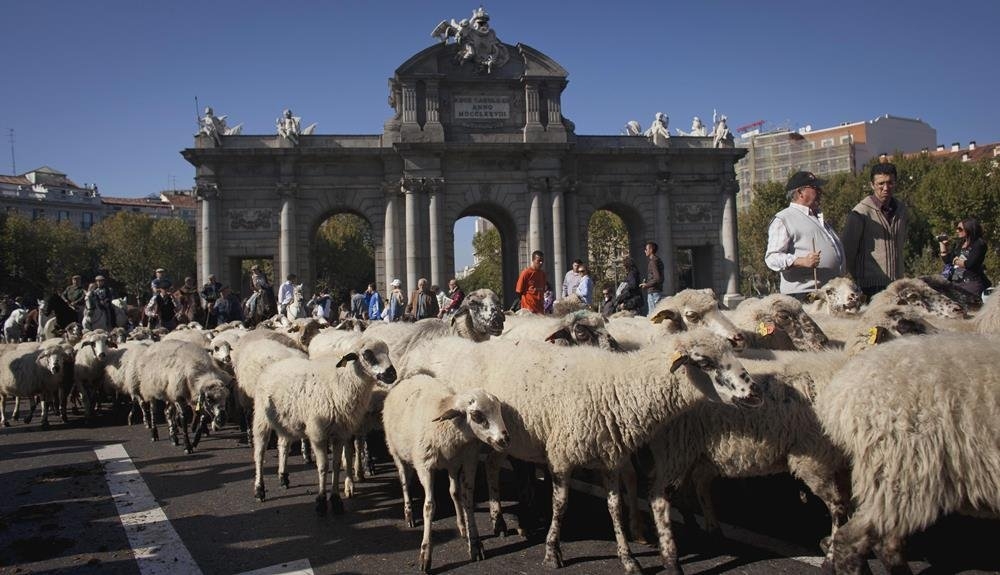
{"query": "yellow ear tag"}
(872, 335)
(677, 355)
(765, 328)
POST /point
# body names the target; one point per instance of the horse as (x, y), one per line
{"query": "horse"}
(187, 308)
(56, 307)
(257, 309)
(96, 317)
(13, 327)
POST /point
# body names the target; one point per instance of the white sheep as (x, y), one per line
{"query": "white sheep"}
(582, 327)
(88, 367)
(323, 400)
(30, 369)
(917, 292)
(686, 310)
(180, 373)
(988, 319)
(429, 426)
(116, 367)
(920, 420)
(581, 407)
(778, 321)
(839, 297)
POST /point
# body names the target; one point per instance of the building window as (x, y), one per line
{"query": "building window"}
(88, 221)
(845, 139)
(63, 216)
(826, 143)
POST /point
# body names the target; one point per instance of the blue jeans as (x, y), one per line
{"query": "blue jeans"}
(651, 300)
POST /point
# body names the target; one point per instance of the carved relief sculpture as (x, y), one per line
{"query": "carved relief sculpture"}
(249, 219)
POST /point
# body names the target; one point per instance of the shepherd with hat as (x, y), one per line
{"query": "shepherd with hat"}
(801, 246)
(160, 280)
(395, 302)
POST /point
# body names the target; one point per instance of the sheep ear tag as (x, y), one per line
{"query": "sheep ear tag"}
(876, 335)
(678, 359)
(765, 328)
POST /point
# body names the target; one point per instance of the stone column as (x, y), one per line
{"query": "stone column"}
(665, 234)
(409, 104)
(393, 190)
(730, 240)
(558, 239)
(535, 217)
(434, 189)
(286, 243)
(411, 188)
(208, 194)
(533, 129)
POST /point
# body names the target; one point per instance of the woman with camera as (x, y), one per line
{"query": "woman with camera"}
(967, 258)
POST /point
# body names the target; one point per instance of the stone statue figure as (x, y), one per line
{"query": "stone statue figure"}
(290, 127)
(721, 136)
(697, 129)
(476, 41)
(215, 127)
(632, 128)
(659, 132)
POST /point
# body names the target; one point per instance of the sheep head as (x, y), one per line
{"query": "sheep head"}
(372, 357)
(480, 413)
(53, 358)
(222, 352)
(690, 309)
(918, 293)
(584, 327)
(781, 319)
(886, 323)
(97, 341)
(710, 364)
(213, 392)
(841, 295)
(481, 308)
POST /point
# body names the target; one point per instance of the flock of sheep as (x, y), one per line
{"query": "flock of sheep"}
(889, 412)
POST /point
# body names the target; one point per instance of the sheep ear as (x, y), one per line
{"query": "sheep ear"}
(663, 315)
(817, 295)
(678, 359)
(562, 334)
(448, 410)
(349, 357)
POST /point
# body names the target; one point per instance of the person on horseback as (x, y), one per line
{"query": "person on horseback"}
(74, 294)
(286, 292)
(160, 279)
(211, 292)
(189, 300)
(103, 294)
(261, 303)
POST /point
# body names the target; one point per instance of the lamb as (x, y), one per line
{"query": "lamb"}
(778, 321)
(88, 367)
(29, 370)
(783, 436)
(839, 297)
(919, 419)
(429, 426)
(583, 327)
(180, 373)
(322, 400)
(598, 411)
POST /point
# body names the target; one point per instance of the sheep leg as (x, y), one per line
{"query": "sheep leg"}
(358, 471)
(306, 453)
(319, 453)
(3, 410)
(45, 412)
(630, 481)
(701, 476)
(890, 551)
(170, 414)
(336, 504)
(612, 483)
(283, 449)
(455, 490)
(426, 477)
(31, 410)
(560, 496)
(404, 480)
(659, 502)
(200, 426)
(493, 482)
(261, 429)
(350, 469)
(830, 486)
(851, 546)
(468, 485)
(182, 422)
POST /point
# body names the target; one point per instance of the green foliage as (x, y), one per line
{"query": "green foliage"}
(938, 194)
(607, 244)
(487, 273)
(40, 256)
(345, 260)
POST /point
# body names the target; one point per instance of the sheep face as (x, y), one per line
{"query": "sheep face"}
(783, 316)
(74, 332)
(97, 340)
(117, 337)
(53, 359)
(215, 394)
(690, 309)
(888, 324)
(485, 310)
(373, 359)
(841, 294)
(584, 327)
(481, 414)
(916, 293)
(222, 352)
(712, 367)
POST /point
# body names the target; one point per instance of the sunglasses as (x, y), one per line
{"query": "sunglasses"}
(959, 229)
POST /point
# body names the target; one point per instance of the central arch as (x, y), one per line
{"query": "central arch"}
(507, 229)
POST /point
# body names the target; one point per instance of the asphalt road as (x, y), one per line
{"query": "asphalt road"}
(58, 515)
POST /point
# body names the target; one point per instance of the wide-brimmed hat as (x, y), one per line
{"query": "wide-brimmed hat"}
(160, 271)
(396, 283)
(99, 277)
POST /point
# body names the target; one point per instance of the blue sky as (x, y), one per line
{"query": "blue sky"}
(105, 90)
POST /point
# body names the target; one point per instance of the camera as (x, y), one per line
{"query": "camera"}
(941, 237)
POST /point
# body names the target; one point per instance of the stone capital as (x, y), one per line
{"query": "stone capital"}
(207, 191)
(420, 185)
(538, 185)
(288, 190)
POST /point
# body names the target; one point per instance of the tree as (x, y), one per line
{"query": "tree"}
(607, 244)
(345, 248)
(40, 256)
(487, 273)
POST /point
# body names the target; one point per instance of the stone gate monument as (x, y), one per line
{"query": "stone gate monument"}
(478, 130)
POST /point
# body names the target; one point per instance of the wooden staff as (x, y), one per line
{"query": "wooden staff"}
(815, 272)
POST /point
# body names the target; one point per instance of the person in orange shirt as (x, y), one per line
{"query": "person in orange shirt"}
(531, 284)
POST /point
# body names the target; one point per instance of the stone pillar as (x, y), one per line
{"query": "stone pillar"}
(533, 124)
(286, 243)
(411, 189)
(730, 242)
(409, 104)
(535, 217)
(558, 239)
(665, 234)
(433, 130)
(208, 194)
(434, 188)
(393, 190)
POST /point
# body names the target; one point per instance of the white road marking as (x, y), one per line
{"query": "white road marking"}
(157, 548)
(745, 536)
(300, 567)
